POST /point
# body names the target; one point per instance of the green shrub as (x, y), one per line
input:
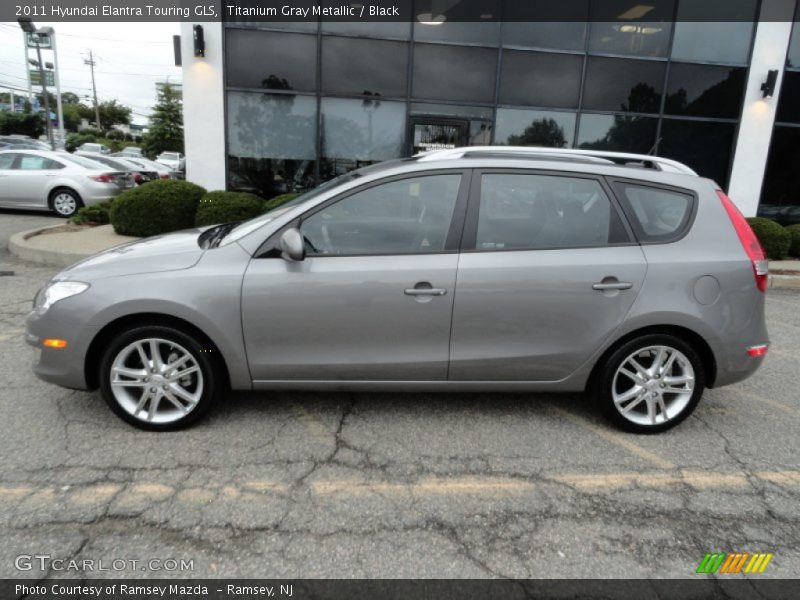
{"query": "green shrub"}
(278, 200)
(94, 214)
(156, 207)
(225, 207)
(794, 232)
(775, 239)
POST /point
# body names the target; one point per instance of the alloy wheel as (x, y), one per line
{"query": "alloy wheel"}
(156, 381)
(653, 385)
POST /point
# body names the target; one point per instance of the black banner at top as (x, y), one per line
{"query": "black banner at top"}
(430, 12)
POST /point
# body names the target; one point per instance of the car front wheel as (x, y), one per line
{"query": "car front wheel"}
(158, 378)
(651, 383)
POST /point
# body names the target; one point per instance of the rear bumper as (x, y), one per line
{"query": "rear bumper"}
(737, 368)
(100, 192)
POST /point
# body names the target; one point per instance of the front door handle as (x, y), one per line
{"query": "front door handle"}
(616, 285)
(423, 288)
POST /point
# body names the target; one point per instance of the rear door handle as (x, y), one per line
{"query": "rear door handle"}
(424, 292)
(618, 285)
(424, 288)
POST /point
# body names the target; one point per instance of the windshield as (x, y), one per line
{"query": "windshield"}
(248, 226)
(170, 156)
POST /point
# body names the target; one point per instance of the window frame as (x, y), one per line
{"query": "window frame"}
(640, 235)
(469, 238)
(271, 249)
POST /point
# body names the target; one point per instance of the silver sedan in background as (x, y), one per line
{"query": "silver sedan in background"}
(56, 181)
(138, 173)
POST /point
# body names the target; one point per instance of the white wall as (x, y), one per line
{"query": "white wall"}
(758, 116)
(203, 108)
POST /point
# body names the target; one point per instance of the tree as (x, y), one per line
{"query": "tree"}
(70, 98)
(542, 132)
(166, 123)
(30, 124)
(72, 116)
(112, 114)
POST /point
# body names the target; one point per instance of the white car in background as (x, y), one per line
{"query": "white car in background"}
(174, 160)
(56, 181)
(92, 148)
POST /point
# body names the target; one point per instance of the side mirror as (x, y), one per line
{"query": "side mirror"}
(292, 246)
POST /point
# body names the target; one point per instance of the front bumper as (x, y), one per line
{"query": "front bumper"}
(65, 366)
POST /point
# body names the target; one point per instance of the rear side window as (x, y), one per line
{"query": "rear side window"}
(31, 162)
(656, 214)
(540, 212)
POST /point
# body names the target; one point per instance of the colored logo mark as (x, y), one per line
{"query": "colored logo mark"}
(735, 562)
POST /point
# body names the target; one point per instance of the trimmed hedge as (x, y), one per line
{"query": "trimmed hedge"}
(775, 239)
(794, 232)
(94, 214)
(278, 200)
(226, 207)
(156, 207)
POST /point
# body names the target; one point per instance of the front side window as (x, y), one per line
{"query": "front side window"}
(409, 216)
(541, 212)
(657, 215)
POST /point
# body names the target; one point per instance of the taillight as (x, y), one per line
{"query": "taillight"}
(104, 178)
(750, 243)
(760, 350)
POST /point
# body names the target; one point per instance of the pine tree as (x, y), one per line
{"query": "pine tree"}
(166, 123)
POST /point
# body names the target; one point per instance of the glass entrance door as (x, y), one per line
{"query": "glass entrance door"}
(432, 133)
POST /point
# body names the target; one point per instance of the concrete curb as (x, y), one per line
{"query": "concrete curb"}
(785, 282)
(19, 246)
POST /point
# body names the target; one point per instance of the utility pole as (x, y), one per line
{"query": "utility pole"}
(91, 62)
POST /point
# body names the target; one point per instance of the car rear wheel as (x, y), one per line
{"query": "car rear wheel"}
(651, 383)
(158, 378)
(65, 202)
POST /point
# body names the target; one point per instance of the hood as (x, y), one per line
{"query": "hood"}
(168, 252)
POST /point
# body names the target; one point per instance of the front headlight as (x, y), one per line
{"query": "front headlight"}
(58, 291)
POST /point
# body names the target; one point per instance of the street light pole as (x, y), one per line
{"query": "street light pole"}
(59, 106)
(29, 28)
(44, 93)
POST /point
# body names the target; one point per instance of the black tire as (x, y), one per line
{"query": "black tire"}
(604, 384)
(211, 382)
(55, 202)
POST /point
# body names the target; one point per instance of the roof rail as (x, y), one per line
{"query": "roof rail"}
(619, 158)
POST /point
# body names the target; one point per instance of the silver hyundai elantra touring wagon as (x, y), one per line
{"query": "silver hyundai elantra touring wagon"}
(479, 268)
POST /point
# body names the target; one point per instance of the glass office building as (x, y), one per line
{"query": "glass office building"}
(306, 101)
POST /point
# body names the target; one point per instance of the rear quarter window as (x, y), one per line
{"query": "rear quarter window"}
(657, 215)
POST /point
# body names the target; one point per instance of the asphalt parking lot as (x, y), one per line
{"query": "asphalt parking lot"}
(395, 485)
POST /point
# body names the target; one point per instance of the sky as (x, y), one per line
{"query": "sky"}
(130, 58)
